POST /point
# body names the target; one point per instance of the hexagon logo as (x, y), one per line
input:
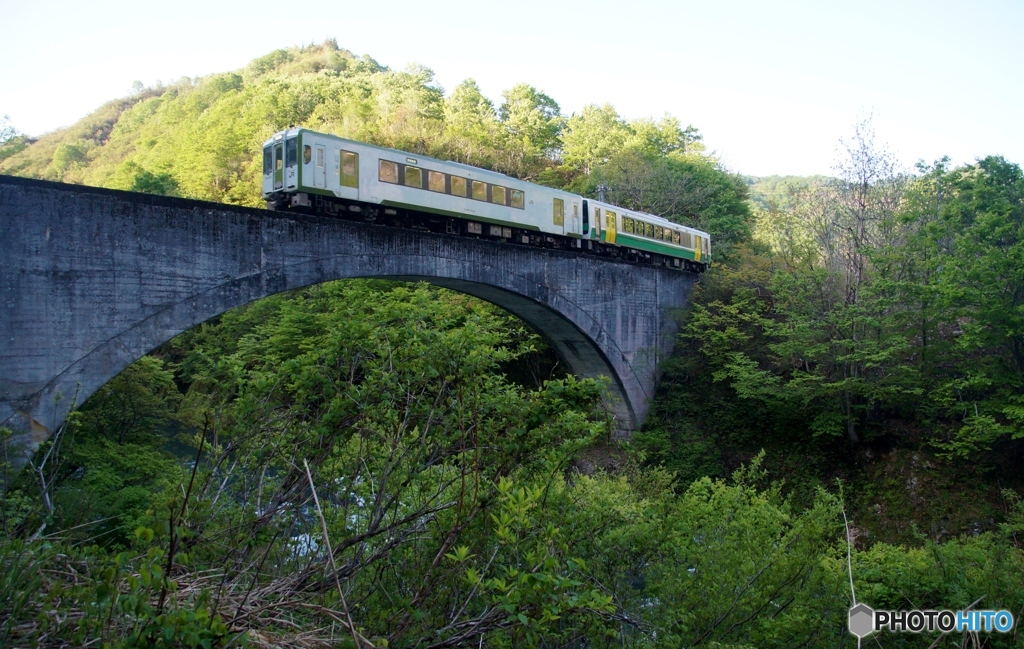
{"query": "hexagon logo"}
(862, 620)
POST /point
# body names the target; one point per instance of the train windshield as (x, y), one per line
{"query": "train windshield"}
(291, 152)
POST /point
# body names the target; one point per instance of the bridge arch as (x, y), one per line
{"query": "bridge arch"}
(94, 279)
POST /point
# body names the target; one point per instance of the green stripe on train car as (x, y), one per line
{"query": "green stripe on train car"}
(639, 243)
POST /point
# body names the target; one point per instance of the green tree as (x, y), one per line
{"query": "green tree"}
(664, 136)
(472, 132)
(532, 122)
(592, 137)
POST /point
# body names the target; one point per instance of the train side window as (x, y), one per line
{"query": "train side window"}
(675, 237)
(268, 162)
(649, 230)
(479, 190)
(627, 224)
(497, 195)
(307, 154)
(517, 198)
(413, 177)
(388, 171)
(435, 181)
(458, 186)
(686, 240)
(659, 232)
(558, 212)
(350, 169)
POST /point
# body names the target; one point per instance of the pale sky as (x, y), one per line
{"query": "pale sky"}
(771, 85)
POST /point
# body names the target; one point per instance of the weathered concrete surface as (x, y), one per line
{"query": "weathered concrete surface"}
(92, 279)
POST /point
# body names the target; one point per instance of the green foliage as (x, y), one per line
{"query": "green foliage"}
(593, 136)
(532, 121)
(11, 142)
(872, 321)
(472, 131)
(952, 575)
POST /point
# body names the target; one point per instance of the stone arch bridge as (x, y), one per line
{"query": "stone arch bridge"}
(92, 279)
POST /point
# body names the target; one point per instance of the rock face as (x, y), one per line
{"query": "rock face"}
(92, 279)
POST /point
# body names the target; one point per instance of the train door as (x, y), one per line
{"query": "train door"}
(278, 166)
(696, 248)
(349, 175)
(609, 226)
(558, 215)
(586, 217)
(320, 171)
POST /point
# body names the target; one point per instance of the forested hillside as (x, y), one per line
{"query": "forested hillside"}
(379, 464)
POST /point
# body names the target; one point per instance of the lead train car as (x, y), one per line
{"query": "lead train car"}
(306, 169)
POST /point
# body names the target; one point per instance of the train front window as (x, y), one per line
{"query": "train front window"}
(291, 152)
(268, 162)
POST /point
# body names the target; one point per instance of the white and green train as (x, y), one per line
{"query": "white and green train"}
(306, 170)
